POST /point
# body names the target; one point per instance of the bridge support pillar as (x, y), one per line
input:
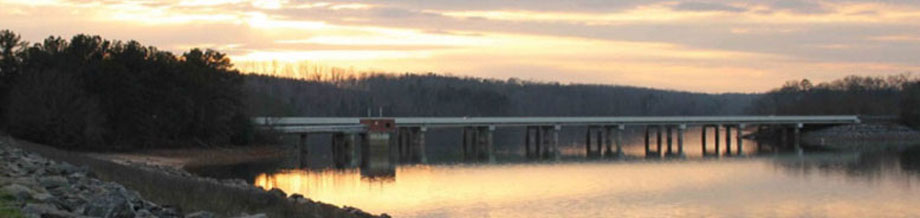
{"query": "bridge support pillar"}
(477, 143)
(376, 151)
(608, 139)
(703, 139)
(538, 142)
(669, 131)
(588, 152)
(648, 152)
(489, 140)
(740, 137)
(527, 142)
(344, 151)
(601, 141)
(466, 142)
(728, 140)
(555, 148)
(620, 130)
(798, 138)
(419, 145)
(303, 151)
(717, 140)
(680, 139)
(784, 137)
(658, 136)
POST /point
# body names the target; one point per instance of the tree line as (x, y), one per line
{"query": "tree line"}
(893, 96)
(442, 95)
(92, 93)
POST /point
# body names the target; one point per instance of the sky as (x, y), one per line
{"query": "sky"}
(696, 45)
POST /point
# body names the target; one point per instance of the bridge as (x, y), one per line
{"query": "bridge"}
(407, 134)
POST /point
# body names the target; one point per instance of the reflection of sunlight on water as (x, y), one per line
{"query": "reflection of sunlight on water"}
(726, 188)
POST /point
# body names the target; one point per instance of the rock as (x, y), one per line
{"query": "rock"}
(45, 211)
(200, 214)
(52, 181)
(166, 211)
(109, 204)
(144, 213)
(261, 215)
(43, 197)
(277, 193)
(21, 192)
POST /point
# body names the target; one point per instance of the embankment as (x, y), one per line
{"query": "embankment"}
(188, 193)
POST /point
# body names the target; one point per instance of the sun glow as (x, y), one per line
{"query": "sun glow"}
(640, 43)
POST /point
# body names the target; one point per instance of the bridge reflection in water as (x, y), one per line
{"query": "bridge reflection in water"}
(786, 185)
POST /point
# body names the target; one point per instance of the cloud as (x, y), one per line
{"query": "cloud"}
(628, 41)
(706, 6)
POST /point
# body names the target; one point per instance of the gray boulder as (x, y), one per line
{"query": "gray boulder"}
(108, 205)
(200, 214)
(45, 211)
(50, 182)
(21, 192)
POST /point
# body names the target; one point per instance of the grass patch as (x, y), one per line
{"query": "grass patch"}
(9, 208)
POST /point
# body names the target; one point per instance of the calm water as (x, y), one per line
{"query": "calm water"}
(762, 183)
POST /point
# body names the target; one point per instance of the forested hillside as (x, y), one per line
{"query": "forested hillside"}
(896, 96)
(92, 93)
(439, 95)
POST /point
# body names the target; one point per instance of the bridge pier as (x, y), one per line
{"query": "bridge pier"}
(680, 140)
(703, 139)
(302, 150)
(648, 152)
(740, 138)
(477, 143)
(411, 144)
(608, 139)
(612, 139)
(588, 142)
(527, 140)
(784, 137)
(555, 152)
(798, 138)
(375, 152)
(619, 141)
(717, 140)
(670, 141)
(344, 151)
(596, 139)
(728, 140)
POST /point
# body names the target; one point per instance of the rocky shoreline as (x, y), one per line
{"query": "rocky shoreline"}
(47, 188)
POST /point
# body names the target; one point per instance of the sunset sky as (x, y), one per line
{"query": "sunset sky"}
(705, 45)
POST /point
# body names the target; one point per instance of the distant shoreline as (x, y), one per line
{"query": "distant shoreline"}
(862, 136)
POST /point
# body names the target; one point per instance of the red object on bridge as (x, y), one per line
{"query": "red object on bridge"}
(379, 125)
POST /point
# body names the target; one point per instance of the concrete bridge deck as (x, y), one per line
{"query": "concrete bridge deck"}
(296, 125)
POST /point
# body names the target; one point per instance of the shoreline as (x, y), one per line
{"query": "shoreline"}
(862, 136)
(168, 185)
(183, 158)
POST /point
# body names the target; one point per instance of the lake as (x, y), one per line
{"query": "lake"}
(764, 182)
